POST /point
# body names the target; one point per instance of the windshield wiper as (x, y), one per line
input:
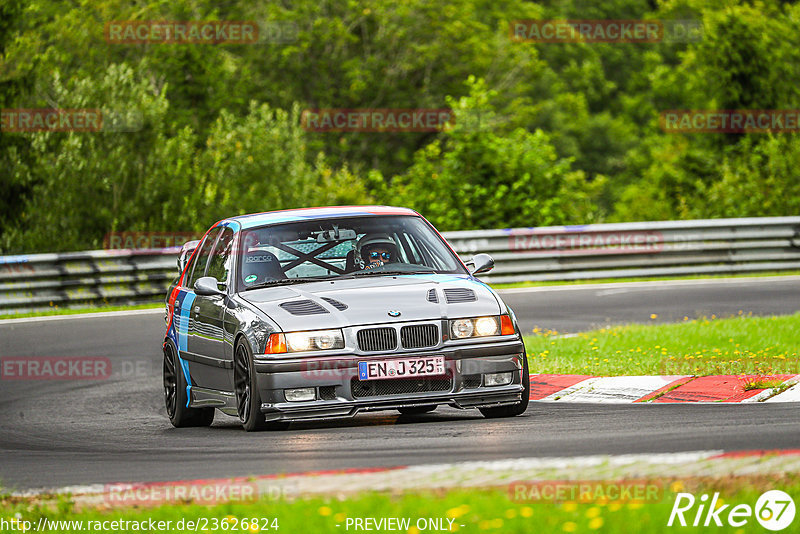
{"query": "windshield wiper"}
(371, 272)
(289, 281)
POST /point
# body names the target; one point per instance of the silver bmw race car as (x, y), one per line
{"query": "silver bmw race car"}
(328, 312)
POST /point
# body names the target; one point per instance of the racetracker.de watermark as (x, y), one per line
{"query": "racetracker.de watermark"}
(330, 372)
(69, 120)
(605, 31)
(586, 491)
(624, 242)
(39, 368)
(324, 370)
(147, 240)
(203, 32)
(211, 491)
(730, 121)
(376, 120)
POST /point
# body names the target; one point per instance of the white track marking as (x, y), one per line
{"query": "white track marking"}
(619, 389)
(627, 389)
(558, 395)
(790, 395)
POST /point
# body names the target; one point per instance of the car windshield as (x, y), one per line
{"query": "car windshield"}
(345, 247)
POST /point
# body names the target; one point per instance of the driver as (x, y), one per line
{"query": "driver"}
(375, 250)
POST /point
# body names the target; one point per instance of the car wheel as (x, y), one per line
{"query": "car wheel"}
(175, 396)
(248, 400)
(513, 409)
(417, 410)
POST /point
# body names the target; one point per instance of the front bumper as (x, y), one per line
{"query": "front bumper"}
(340, 393)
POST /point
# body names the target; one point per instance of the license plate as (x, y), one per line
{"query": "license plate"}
(407, 367)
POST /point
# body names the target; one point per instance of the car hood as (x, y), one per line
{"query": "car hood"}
(369, 301)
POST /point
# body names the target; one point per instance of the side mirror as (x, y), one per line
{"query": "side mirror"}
(185, 254)
(480, 263)
(207, 287)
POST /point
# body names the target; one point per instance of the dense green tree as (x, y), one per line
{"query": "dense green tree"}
(570, 131)
(745, 60)
(15, 159)
(475, 176)
(135, 176)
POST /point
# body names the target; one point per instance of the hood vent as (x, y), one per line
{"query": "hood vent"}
(303, 307)
(341, 306)
(459, 294)
(432, 296)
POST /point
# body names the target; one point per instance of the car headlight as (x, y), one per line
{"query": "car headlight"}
(481, 327)
(305, 341)
(487, 326)
(461, 328)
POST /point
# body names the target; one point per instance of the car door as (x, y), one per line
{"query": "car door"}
(189, 348)
(208, 313)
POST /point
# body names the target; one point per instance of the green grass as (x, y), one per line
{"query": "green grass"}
(478, 510)
(739, 345)
(643, 279)
(761, 383)
(74, 311)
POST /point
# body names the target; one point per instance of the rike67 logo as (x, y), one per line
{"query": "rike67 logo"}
(774, 510)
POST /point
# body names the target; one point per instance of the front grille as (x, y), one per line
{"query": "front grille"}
(374, 339)
(419, 336)
(303, 307)
(327, 392)
(459, 294)
(472, 381)
(399, 386)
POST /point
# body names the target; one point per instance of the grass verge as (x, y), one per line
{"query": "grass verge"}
(738, 345)
(74, 311)
(478, 510)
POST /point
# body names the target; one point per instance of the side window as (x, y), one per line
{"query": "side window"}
(219, 265)
(201, 260)
(189, 267)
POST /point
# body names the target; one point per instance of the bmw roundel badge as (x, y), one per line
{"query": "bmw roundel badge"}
(394, 313)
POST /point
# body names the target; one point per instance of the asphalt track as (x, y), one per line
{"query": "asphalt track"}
(58, 433)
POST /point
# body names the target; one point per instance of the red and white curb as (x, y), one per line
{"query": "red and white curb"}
(663, 389)
(478, 474)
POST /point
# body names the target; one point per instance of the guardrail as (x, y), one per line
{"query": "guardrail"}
(36, 282)
(667, 248)
(646, 249)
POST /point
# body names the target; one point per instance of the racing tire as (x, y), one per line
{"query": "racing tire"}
(519, 408)
(248, 399)
(175, 396)
(417, 410)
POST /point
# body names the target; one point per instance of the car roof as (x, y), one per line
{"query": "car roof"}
(304, 214)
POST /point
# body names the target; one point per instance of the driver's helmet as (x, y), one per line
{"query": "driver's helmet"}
(373, 250)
